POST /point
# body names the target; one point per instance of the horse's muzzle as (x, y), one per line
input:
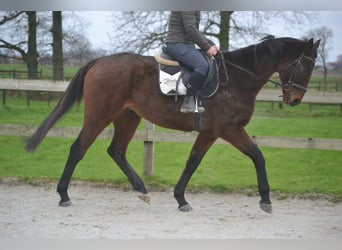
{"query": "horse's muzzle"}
(295, 102)
(292, 99)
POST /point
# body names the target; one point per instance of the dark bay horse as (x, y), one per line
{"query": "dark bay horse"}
(123, 88)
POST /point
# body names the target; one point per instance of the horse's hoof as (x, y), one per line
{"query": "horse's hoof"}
(185, 208)
(145, 198)
(65, 203)
(266, 207)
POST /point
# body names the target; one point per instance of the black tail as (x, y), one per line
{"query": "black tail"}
(73, 93)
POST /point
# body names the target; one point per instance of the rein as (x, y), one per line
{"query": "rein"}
(222, 67)
(253, 74)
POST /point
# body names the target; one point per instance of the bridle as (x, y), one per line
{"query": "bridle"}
(291, 82)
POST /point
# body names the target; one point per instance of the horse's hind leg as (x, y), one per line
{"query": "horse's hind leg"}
(125, 127)
(78, 149)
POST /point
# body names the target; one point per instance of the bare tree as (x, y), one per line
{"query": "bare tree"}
(27, 48)
(217, 25)
(78, 51)
(57, 45)
(21, 32)
(138, 31)
(227, 26)
(146, 30)
(326, 35)
(31, 57)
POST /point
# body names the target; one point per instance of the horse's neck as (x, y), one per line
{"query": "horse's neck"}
(252, 79)
(253, 66)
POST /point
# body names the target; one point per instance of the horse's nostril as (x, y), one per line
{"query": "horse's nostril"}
(295, 102)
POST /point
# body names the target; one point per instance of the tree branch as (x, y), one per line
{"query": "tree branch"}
(8, 45)
(13, 15)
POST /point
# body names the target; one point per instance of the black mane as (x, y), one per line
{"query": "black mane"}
(268, 46)
(277, 46)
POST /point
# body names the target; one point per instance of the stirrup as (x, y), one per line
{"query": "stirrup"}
(198, 110)
(196, 105)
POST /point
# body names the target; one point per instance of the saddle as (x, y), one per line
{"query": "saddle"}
(173, 75)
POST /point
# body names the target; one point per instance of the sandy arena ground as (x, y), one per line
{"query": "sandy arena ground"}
(31, 211)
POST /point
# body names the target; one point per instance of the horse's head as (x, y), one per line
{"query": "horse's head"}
(295, 75)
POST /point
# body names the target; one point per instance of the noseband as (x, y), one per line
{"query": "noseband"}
(291, 82)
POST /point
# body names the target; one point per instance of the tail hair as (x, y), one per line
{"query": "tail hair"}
(73, 93)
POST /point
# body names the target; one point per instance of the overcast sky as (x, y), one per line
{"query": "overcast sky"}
(100, 26)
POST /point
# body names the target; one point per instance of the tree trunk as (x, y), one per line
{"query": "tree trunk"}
(224, 29)
(325, 71)
(325, 78)
(57, 57)
(31, 57)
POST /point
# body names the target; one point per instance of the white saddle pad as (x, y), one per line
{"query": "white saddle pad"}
(168, 84)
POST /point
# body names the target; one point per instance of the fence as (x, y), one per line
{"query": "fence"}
(149, 135)
(29, 86)
(269, 95)
(333, 84)
(18, 74)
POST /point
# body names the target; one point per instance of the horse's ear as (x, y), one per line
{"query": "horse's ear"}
(317, 43)
(309, 46)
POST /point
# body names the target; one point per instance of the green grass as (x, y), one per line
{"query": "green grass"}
(17, 112)
(307, 127)
(223, 169)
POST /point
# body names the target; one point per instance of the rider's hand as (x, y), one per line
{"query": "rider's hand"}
(212, 51)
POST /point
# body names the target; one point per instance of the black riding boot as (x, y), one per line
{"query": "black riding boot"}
(193, 85)
(189, 105)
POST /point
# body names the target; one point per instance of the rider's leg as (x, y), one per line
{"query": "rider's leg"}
(193, 85)
(189, 56)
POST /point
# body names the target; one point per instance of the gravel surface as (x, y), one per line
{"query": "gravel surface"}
(31, 211)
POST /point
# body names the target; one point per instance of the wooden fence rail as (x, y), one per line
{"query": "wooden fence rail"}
(150, 135)
(30, 85)
(269, 95)
(18, 74)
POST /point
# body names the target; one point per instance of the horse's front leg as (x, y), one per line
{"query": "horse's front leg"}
(240, 139)
(200, 147)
